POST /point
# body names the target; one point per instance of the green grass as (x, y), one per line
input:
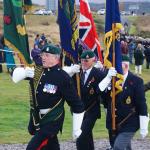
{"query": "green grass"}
(132, 30)
(14, 112)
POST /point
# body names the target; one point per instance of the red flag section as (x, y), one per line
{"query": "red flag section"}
(87, 29)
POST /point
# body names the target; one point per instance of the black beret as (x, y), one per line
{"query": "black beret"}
(50, 48)
(87, 54)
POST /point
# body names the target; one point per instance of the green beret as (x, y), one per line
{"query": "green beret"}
(87, 54)
(50, 48)
(125, 58)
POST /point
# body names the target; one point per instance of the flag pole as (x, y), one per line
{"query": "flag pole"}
(78, 84)
(113, 79)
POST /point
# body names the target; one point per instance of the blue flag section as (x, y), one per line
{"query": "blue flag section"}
(68, 25)
(113, 24)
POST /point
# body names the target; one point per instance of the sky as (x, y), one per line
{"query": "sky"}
(42, 2)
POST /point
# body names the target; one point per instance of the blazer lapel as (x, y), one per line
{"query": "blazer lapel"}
(89, 77)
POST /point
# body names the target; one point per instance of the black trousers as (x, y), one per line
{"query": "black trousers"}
(85, 141)
(40, 142)
(147, 64)
(112, 137)
(1, 70)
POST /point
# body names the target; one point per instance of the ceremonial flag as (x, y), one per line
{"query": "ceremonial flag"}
(87, 29)
(27, 5)
(68, 25)
(112, 24)
(15, 35)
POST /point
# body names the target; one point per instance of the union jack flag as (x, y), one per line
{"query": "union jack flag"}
(87, 29)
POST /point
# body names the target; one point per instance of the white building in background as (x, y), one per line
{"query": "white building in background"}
(51, 5)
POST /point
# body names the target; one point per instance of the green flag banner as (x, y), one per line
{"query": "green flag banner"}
(15, 35)
(27, 5)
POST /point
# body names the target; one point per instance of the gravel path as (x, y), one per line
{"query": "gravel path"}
(101, 144)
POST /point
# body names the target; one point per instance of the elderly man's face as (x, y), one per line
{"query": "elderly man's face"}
(125, 67)
(49, 60)
(87, 63)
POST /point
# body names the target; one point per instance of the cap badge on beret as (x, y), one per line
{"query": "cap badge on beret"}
(87, 54)
(47, 49)
(50, 48)
(87, 57)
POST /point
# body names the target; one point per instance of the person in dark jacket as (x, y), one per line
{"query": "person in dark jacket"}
(131, 110)
(131, 48)
(147, 56)
(53, 87)
(139, 58)
(147, 86)
(124, 47)
(90, 95)
(35, 54)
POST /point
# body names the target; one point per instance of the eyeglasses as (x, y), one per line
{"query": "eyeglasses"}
(47, 55)
(44, 55)
(84, 60)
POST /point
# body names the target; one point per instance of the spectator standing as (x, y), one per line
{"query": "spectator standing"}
(43, 37)
(131, 48)
(147, 56)
(124, 47)
(37, 40)
(35, 54)
(139, 57)
(42, 44)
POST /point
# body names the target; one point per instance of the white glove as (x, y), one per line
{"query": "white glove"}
(29, 72)
(98, 65)
(106, 81)
(112, 72)
(144, 120)
(77, 122)
(21, 73)
(71, 70)
(18, 74)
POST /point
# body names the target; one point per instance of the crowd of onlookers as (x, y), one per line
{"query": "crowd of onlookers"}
(39, 42)
(138, 50)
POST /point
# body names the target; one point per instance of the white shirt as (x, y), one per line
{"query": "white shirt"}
(124, 78)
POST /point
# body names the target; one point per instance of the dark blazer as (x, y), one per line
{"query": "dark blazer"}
(138, 56)
(52, 87)
(130, 103)
(147, 86)
(90, 94)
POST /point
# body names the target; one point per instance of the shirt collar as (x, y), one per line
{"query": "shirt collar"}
(125, 76)
(88, 71)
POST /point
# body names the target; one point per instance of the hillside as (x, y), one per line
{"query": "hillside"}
(47, 24)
